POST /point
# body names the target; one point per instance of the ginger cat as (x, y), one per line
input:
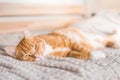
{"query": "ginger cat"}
(66, 42)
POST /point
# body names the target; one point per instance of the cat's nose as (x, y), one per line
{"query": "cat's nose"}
(38, 59)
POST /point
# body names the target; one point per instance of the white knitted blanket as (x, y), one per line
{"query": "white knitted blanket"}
(62, 68)
(53, 68)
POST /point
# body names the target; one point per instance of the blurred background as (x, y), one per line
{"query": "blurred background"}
(18, 15)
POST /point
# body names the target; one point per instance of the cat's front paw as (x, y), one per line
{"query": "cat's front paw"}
(95, 55)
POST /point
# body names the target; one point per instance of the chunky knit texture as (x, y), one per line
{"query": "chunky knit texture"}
(53, 68)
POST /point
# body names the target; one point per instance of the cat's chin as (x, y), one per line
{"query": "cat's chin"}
(37, 59)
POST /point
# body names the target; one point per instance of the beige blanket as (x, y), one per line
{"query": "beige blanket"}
(53, 68)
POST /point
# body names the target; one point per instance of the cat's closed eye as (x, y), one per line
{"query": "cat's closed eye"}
(29, 57)
(35, 46)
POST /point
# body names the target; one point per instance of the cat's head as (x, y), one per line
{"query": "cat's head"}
(25, 50)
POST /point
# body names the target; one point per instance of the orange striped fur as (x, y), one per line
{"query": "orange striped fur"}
(67, 42)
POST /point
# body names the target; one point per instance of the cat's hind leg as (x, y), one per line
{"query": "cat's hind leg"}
(83, 52)
(79, 51)
(94, 55)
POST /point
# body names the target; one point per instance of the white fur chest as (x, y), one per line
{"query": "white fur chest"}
(47, 49)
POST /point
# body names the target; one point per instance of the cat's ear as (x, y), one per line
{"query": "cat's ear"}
(27, 34)
(10, 51)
